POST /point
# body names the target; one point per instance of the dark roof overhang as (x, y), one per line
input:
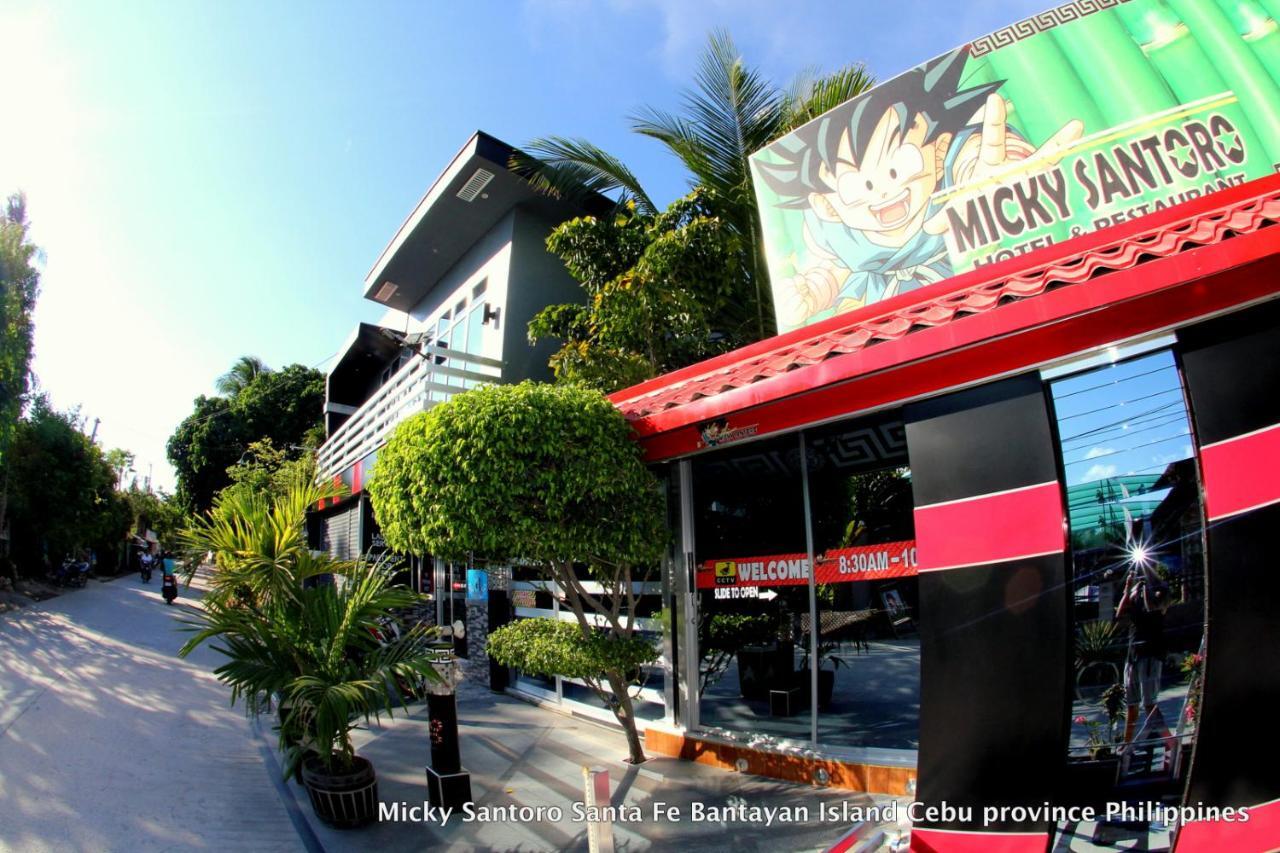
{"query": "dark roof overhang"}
(367, 351)
(475, 191)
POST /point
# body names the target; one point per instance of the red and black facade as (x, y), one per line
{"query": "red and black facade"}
(962, 361)
(988, 513)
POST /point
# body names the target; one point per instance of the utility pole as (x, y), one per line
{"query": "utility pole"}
(93, 437)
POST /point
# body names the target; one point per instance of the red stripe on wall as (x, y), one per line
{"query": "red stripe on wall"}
(947, 841)
(357, 477)
(1235, 472)
(990, 528)
(1260, 832)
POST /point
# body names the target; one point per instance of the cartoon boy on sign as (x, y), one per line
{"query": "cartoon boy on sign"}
(865, 175)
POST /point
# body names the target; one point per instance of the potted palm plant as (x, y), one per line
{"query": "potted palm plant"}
(312, 645)
(826, 677)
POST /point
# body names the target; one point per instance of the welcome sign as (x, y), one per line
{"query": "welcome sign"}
(1084, 116)
(884, 561)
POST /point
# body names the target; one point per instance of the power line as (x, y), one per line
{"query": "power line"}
(1121, 403)
(1111, 383)
(1128, 449)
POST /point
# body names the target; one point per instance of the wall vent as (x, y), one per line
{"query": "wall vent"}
(475, 184)
(385, 292)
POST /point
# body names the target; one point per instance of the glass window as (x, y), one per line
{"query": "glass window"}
(475, 339)
(460, 329)
(442, 330)
(752, 587)
(441, 340)
(1138, 578)
(864, 538)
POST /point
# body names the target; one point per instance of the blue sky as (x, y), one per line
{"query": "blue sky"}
(214, 179)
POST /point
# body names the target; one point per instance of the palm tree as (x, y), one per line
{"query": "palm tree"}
(245, 370)
(731, 112)
(312, 645)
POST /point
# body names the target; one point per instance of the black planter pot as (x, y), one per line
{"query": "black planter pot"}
(826, 687)
(764, 668)
(342, 800)
(1091, 780)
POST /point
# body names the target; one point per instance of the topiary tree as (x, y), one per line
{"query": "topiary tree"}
(546, 476)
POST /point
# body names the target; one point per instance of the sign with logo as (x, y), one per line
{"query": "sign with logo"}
(477, 585)
(839, 565)
(1083, 116)
(718, 432)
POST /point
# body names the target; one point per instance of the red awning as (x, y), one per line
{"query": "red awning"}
(889, 335)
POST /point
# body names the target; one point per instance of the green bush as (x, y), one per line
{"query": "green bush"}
(543, 475)
(549, 647)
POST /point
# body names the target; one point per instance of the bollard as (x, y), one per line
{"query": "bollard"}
(448, 785)
(596, 799)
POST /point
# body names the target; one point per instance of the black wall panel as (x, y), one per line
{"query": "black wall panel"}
(994, 637)
(986, 439)
(1232, 370)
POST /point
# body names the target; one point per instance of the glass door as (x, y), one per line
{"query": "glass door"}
(1137, 584)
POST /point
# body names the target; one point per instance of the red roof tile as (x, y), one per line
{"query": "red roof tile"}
(1081, 259)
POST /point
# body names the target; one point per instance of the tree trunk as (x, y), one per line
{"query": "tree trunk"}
(625, 713)
(621, 704)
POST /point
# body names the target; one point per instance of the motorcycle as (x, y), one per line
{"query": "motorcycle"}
(169, 587)
(72, 572)
(144, 567)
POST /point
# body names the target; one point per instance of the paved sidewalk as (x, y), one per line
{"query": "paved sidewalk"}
(109, 742)
(522, 755)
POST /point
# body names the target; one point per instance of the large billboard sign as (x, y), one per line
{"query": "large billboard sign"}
(1084, 116)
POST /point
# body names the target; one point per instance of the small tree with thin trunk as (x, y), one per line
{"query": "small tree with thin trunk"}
(540, 475)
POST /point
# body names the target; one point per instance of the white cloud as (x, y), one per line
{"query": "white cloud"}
(1095, 452)
(1098, 472)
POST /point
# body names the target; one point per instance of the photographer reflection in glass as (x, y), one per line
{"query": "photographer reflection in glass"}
(1144, 600)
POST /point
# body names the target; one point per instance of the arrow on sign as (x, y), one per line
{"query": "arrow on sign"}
(768, 596)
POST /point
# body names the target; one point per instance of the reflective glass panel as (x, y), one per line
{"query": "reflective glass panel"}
(868, 606)
(752, 587)
(1137, 580)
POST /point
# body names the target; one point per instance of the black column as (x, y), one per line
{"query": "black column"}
(994, 608)
(1232, 371)
(499, 615)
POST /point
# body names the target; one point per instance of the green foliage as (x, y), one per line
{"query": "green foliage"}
(270, 471)
(546, 475)
(731, 111)
(549, 647)
(540, 473)
(311, 645)
(283, 406)
(259, 543)
(155, 511)
(120, 461)
(246, 369)
(19, 286)
(62, 496)
(876, 500)
(720, 635)
(663, 291)
(204, 445)
(1097, 641)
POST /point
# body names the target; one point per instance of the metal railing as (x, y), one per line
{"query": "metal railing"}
(426, 380)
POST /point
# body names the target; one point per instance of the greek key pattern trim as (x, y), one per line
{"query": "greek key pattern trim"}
(1040, 23)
